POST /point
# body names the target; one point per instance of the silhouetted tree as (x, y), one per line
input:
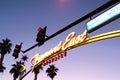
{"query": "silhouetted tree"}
(52, 71)
(16, 70)
(37, 71)
(24, 58)
(5, 47)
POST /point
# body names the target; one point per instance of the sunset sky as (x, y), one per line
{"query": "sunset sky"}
(19, 20)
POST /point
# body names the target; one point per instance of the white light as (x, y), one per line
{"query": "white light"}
(105, 17)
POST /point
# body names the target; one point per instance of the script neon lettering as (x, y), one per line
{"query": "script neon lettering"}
(72, 42)
(67, 40)
(35, 59)
(46, 54)
(58, 48)
(83, 36)
(53, 50)
(78, 39)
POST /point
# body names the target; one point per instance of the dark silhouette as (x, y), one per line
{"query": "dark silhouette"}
(16, 69)
(24, 58)
(5, 47)
(52, 71)
(17, 50)
(23, 68)
(36, 71)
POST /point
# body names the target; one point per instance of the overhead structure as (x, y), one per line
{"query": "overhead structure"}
(97, 10)
(86, 41)
(103, 19)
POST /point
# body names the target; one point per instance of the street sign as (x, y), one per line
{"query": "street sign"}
(103, 19)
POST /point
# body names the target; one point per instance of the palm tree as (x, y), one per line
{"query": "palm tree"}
(52, 71)
(36, 71)
(24, 58)
(16, 69)
(5, 47)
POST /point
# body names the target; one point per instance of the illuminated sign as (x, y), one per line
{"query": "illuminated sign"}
(104, 18)
(70, 43)
(58, 57)
(70, 40)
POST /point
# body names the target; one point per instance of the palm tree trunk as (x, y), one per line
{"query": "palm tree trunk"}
(1, 59)
(14, 79)
(35, 78)
(1, 63)
(20, 76)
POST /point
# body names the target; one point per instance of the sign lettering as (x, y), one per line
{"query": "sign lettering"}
(69, 41)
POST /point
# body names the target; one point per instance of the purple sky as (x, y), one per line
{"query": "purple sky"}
(19, 20)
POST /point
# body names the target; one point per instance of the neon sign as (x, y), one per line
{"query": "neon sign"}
(58, 57)
(70, 42)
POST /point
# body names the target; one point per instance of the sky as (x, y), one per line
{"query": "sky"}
(19, 20)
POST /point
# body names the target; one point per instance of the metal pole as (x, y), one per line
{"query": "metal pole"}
(99, 9)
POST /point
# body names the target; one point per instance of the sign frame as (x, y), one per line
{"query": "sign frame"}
(104, 18)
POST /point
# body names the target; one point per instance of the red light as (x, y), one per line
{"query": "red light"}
(65, 53)
(44, 64)
(39, 29)
(61, 55)
(53, 59)
(49, 61)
